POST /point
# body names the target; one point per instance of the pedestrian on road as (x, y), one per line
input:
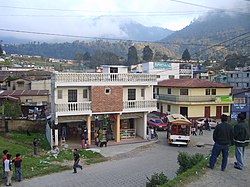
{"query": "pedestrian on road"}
(5, 152)
(76, 161)
(8, 169)
(17, 163)
(200, 126)
(241, 140)
(223, 138)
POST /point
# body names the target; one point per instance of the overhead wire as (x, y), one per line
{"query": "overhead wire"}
(99, 38)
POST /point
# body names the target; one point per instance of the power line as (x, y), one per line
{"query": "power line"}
(133, 12)
(219, 44)
(99, 38)
(207, 7)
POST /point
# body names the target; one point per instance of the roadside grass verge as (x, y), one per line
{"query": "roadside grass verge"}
(43, 163)
(196, 172)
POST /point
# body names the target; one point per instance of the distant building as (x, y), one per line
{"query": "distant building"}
(241, 98)
(239, 78)
(193, 98)
(168, 69)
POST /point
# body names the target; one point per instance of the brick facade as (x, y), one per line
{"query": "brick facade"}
(107, 102)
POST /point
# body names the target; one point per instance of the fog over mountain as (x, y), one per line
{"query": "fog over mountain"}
(99, 27)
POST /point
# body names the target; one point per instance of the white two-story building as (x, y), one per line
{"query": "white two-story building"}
(115, 101)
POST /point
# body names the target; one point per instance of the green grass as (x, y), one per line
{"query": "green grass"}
(41, 164)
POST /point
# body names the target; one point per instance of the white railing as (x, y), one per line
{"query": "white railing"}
(73, 107)
(104, 77)
(139, 104)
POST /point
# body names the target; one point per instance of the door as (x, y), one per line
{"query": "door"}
(207, 112)
(184, 111)
(161, 109)
(218, 112)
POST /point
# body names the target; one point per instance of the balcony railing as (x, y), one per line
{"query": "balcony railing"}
(139, 105)
(185, 98)
(104, 77)
(74, 107)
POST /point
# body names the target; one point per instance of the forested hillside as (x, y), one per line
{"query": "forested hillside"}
(213, 29)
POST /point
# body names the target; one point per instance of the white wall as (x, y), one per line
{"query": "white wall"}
(140, 126)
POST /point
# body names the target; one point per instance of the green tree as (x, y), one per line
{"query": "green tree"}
(1, 50)
(132, 56)
(157, 56)
(165, 57)
(147, 53)
(11, 109)
(186, 55)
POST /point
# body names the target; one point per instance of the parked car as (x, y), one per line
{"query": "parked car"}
(212, 122)
(157, 123)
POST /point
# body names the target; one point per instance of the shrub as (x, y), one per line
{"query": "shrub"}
(187, 161)
(157, 179)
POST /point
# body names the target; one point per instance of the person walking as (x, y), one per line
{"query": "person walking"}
(8, 169)
(35, 142)
(5, 152)
(223, 138)
(76, 161)
(17, 163)
(241, 140)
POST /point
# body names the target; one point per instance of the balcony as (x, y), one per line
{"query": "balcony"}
(74, 79)
(185, 98)
(73, 108)
(140, 106)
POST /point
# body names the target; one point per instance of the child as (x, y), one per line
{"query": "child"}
(76, 161)
(17, 163)
(5, 152)
(8, 169)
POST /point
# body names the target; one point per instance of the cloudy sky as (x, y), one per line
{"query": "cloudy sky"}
(96, 18)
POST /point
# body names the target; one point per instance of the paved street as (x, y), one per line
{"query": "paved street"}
(130, 170)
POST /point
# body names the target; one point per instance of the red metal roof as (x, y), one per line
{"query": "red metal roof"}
(18, 93)
(192, 83)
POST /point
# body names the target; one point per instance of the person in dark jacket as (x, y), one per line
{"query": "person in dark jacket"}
(241, 140)
(223, 138)
(17, 163)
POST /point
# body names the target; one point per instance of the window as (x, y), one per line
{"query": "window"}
(85, 94)
(183, 91)
(142, 92)
(213, 91)
(59, 94)
(169, 90)
(237, 75)
(158, 106)
(239, 100)
(231, 75)
(247, 74)
(72, 95)
(28, 100)
(169, 108)
(225, 109)
(207, 91)
(131, 94)
(107, 91)
(157, 91)
(171, 77)
(247, 84)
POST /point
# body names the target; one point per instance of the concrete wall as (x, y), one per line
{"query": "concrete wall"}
(24, 125)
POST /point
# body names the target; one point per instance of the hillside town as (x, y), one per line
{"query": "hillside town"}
(121, 94)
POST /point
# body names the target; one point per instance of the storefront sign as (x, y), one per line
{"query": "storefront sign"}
(162, 65)
(240, 107)
(223, 99)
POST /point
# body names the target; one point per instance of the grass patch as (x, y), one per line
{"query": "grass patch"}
(42, 164)
(188, 176)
